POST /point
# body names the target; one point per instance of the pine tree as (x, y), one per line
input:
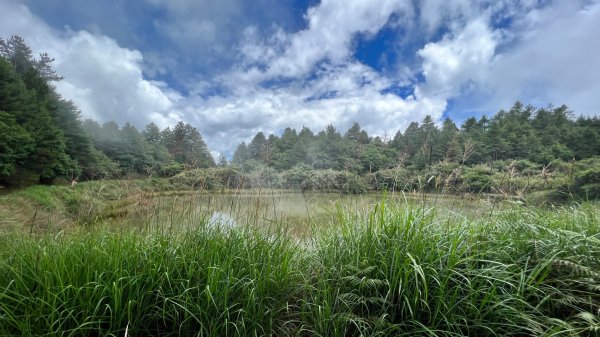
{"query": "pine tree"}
(15, 145)
(186, 146)
(48, 159)
(241, 155)
(257, 149)
(450, 143)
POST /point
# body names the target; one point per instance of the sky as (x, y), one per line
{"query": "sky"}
(233, 68)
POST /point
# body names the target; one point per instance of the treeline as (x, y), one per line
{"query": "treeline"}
(523, 150)
(42, 136)
(538, 135)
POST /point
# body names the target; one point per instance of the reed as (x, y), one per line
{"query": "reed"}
(394, 269)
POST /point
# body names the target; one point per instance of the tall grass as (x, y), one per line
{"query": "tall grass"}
(404, 272)
(394, 270)
(203, 283)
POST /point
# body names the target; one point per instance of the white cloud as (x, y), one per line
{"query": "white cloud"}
(434, 13)
(311, 78)
(554, 61)
(549, 56)
(104, 79)
(456, 60)
(338, 91)
(331, 27)
(338, 95)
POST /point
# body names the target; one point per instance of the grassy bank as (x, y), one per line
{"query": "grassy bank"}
(147, 203)
(394, 270)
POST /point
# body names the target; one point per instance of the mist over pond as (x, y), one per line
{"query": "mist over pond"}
(293, 211)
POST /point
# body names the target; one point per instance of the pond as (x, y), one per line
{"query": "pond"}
(292, 211)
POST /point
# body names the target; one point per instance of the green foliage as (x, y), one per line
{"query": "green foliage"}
(354, 183)
(43, 139)
(209, 179)
(47, 158)
(525, 140)
(204, 283)
(299, 177)
(402, 273)
(48, 140)
(397, 270)
(15, 145)
(477, 179)
(186, 146)
(172, 168)
(586, 182)
(398, 179)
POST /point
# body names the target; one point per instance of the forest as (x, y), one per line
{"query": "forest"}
(494, 232)
(44, 139)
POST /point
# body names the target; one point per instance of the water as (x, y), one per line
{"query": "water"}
(294, 211)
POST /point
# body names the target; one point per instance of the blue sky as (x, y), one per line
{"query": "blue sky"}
(236, 67)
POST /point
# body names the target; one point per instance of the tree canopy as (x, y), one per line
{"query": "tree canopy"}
(42, 136)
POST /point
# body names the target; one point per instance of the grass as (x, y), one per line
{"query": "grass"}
(101, 283)
(394, 269)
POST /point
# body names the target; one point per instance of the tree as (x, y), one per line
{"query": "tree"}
(356, 134)
(15, 145)
(373, 157)
(48, 159)
(156, 150)
(305, 148)
(222, 162)
(186, 146)
(257, 149)
(16, 51)
(285, 154)
(78, 143)
(475, 148)
(423, 143)
(332, 153)
(134, 150)
(450, 142)
(241, 155)
(152, 134)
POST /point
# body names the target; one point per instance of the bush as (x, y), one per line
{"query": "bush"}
(171, 169)
(298, 177)
(581, 179)
(587, 183)
(526, 168)
(398, 179)
(354, 183)
(477, 179)
(208, 179)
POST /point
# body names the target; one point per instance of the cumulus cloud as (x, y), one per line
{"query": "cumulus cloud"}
(457, 60)
(309, 78)
(554, 61)
(480, 55)
(331, 27)
(547, 56)
(337, 95)
(104, 79)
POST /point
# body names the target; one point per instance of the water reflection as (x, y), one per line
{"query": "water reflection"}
(295, 211)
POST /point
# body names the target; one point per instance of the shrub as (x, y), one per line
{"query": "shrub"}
(586, 184)
(298, 177)
(477, 179)
(526, 168)
(399, 179)
(354, 183)
(210, 178)
(171, 169)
